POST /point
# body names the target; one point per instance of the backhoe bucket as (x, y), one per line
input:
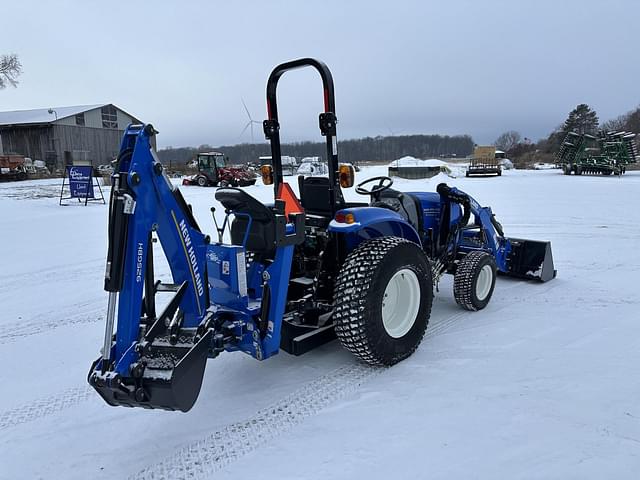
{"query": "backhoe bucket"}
(168, 376)
(530, 259)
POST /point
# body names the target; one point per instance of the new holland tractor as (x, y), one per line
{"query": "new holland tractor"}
(296, 274)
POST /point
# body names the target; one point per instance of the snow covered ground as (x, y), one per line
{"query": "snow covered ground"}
(543, 383)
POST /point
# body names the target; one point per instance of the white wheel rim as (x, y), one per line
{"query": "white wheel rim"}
(400, 303)
(483, 284)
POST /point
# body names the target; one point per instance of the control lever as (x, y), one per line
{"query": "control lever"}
(219, 229)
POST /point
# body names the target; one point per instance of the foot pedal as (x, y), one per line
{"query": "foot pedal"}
(167, 287)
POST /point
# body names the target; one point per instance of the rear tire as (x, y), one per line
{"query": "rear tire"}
(383, 298)
(475, 280)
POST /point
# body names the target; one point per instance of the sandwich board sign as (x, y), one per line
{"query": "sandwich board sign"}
(81, 183)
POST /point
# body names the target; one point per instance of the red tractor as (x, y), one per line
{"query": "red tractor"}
(213, 171)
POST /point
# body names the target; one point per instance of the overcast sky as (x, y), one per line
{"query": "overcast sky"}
(449, 67)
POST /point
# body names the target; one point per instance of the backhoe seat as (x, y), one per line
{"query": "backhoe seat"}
(262, 237)
(405, 204)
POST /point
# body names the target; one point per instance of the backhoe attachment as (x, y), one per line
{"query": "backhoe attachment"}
(154, 360)
(221, 299)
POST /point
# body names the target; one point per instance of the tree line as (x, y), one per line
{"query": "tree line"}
(356, 151)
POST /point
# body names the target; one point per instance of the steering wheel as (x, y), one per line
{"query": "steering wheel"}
(383, 184)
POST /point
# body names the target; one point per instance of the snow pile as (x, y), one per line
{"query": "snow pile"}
(506, 164)
(409, 161)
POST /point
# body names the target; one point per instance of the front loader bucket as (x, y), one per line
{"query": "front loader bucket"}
(168, 376)
(530, 259)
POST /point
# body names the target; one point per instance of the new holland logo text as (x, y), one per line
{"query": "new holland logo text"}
(192, 256)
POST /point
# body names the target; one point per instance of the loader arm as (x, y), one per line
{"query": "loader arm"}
(529, 259)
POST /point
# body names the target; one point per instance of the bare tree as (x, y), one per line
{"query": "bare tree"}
(10, 70)
(508, 140)
(633, 121)
(616, 124)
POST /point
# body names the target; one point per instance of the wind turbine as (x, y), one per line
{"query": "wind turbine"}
(250, 122)
(393, 132)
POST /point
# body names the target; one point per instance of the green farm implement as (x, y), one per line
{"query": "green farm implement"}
(607, 153)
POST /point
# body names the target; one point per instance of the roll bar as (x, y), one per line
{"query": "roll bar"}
(327, 121)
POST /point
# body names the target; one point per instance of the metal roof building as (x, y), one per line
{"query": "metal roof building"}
(84, 134)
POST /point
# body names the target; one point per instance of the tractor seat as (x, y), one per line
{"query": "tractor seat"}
(262, 237)
(315, 198)
(405, 204)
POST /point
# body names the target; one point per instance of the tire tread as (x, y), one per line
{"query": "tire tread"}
(463, 282)
(353, 282)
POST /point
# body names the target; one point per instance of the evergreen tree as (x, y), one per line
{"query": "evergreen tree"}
(581, 120)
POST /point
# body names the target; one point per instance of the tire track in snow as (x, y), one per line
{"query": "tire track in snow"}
(45, 406)
(202, 458)
(448, 323)
(70, 316)
(51, 275)
(327, 388)
(76, 395)
(436, 327)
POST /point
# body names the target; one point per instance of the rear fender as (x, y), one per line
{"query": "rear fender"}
(372, 222)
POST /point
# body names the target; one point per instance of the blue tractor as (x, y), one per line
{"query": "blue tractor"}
(297, 273)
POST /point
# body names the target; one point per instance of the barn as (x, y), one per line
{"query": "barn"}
(84, 134)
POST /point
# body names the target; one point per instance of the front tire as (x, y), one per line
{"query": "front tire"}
(383, 298)
(475, 280)
(202, 181)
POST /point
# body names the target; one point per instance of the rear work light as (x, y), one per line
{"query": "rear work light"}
(266, 171)
(345, 218)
